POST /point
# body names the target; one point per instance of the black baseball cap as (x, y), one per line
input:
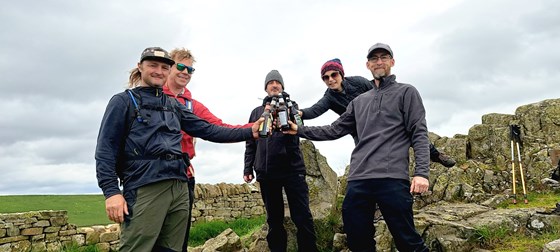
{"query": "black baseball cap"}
(158, 54)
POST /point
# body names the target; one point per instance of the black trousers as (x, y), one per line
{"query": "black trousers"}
(395, 203)
(297, 193)
(191, 202)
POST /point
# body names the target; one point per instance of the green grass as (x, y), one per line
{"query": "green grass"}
(498, 239)
(489, 237)
(203, 231)
(83, 210)
(76, 248)
(545, 200)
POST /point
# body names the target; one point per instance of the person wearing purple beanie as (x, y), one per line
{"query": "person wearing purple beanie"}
(341, 91)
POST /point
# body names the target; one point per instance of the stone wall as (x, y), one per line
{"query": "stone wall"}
(50, 230)
(226, 202)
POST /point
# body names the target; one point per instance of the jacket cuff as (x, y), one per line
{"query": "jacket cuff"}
(247, 171)
(111, 192)
(423, 176)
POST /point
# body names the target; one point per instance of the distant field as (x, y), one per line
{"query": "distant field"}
(83, 210)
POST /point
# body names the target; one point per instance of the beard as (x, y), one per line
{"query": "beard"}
(379, 74)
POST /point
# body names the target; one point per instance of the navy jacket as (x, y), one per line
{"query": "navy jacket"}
(141, 153)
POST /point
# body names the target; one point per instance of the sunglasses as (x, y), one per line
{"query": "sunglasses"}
(333, 75)
(181, 67)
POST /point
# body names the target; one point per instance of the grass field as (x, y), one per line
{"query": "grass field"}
(83, 210)
(88, 210)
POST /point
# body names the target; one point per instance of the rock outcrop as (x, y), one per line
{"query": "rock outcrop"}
(321, 179)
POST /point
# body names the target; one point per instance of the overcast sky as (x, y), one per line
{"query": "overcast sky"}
(61, 61)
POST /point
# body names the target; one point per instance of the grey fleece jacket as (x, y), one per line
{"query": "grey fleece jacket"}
(388, 121)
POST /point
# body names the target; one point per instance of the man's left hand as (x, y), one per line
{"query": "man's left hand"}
(419, 185)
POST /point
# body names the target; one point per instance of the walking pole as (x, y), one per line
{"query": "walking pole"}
(512, 164)
(516, 134)
(521, 169)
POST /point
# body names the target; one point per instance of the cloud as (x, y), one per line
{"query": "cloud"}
(62, 61)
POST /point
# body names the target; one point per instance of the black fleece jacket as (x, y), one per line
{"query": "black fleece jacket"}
(353, 86)
(275, 157)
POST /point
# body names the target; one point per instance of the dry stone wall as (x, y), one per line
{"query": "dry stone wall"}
(226, 202)
(50, 230)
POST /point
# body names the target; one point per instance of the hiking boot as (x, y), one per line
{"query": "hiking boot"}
(557, 209)
(444, 160)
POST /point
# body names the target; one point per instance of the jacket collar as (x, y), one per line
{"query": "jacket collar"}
(157, 91)
(186, 94)
(386, 81)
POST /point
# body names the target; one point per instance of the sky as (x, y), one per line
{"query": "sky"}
(61, 62)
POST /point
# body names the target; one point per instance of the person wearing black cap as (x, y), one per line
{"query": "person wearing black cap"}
(388, 120)
(278, 163)
(139, 143)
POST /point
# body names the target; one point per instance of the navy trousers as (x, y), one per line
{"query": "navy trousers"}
(395, 203)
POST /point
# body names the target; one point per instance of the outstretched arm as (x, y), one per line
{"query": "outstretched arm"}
(344, 125)
(203, 112)
(197, 127)
(316, 110)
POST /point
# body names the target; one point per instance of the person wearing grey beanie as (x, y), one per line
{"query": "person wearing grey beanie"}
(277, 162)
(273, 75)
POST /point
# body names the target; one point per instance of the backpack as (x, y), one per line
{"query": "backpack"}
(134, 114)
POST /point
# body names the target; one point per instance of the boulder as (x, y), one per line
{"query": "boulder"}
(321, 179)
(227, 241)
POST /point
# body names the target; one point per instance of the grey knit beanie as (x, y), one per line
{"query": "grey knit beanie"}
(273, 75)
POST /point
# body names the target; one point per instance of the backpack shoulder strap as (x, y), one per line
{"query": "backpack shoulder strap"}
(174, 105)
(189, 105)
(136, 110)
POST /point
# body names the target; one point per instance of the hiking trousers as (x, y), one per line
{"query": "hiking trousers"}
(395, 203)
(158, 214)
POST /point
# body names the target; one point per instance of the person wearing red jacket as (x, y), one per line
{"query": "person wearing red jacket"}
(176, 87)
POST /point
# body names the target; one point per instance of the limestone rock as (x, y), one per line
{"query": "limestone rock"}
(321, 179)
(553, 246)
(227, 241)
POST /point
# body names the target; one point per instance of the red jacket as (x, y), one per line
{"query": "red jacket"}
(188, 142)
